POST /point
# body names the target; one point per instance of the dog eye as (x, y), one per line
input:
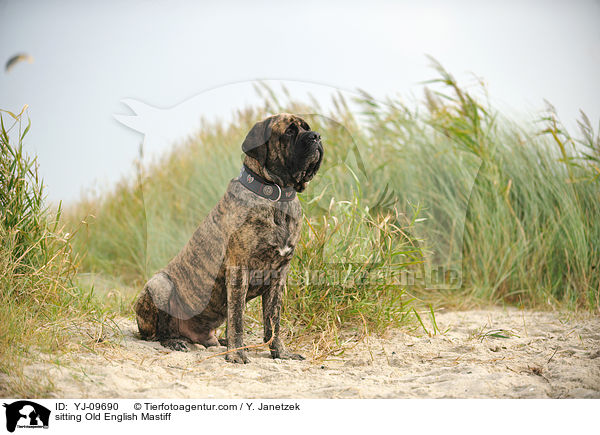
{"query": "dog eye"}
(291, 130)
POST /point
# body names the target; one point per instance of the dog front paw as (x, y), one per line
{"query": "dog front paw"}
(237, 357)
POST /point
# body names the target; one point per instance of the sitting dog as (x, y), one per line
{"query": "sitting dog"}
(241, 250)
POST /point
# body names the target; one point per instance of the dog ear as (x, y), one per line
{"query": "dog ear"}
(255, 144)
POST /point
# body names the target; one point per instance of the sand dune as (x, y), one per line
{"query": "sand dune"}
(544, 355)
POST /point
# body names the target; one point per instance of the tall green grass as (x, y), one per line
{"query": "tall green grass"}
(510, 207)
(39, 304)
(531, 229)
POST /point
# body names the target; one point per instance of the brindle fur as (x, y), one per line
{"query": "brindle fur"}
(241, 250)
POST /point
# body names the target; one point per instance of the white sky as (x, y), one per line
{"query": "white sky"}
(89, 55)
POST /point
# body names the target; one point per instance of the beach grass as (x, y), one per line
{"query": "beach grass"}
(40, 307)
(509, 209)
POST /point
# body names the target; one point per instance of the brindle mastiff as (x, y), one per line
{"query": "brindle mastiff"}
(241, 250)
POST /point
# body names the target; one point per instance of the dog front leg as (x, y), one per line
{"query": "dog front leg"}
(271, 304)
(237, 286)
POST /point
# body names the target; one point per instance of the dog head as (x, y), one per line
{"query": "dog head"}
(284, 150)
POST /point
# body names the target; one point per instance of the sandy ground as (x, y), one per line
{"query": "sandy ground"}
(542, 355)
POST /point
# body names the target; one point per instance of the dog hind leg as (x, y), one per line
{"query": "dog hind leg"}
(154, 321)
(146, 316)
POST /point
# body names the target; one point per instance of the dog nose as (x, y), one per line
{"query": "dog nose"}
(313, 135)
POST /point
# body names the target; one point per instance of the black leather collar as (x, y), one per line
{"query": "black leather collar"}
(263, 188)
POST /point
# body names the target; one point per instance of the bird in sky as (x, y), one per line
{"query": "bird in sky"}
(17, 58)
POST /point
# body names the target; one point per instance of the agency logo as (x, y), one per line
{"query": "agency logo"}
(25, 414)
